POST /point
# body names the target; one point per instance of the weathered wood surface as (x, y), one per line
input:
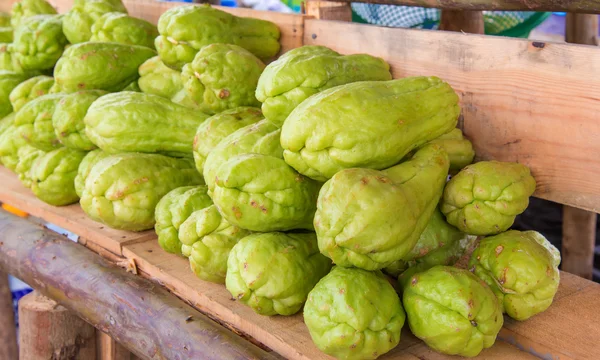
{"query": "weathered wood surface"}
(8, 332)
(530, 102)
(139, 314)
(328, 10)
(48, 330)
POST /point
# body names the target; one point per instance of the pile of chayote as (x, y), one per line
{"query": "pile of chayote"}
(313, 181)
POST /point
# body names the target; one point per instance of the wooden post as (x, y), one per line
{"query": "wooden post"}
(50, 331)
(465, 21)
(109, 349)
(329, 10)
(579, 226)
(8, 332)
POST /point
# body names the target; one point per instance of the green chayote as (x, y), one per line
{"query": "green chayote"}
(184, 30)
(122, 190)
(10, 142)
(354, 229)
(53, 176)
(173, 209)
(484, 198)
(8, 81)
(34, 121)
(522, 270)
(131, 121)
(259, 138)
(121, 28)
(27, 155)
(186, 250)
(210, 238)
(460, 149)
(218, 127)
(39, 42)
(78, 22)
(262, 193)
(221, 77)
(67, 120)
(26, 8)
(307, 70)
(452, 311)
(133, 86)
(30, 89)
(158, 79)
(367, 124)
(274, 272)
(6, 34)
(354, 314)
(85, 167)
(99, 66)
(6, 59)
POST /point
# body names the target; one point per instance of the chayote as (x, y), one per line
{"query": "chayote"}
(122, 190)
(221, 77)
(452, 311)
(262, 193)
(53, 176)
(522, 270)
(6, 59)
(274, 272)
(218, 127)
(78, 22)
(131, 121)
(133, 86)
(158, 79)
(186, 250)
(484, 198)
(4, 19)
(10, 142)
(173, 209)
(8, 81)
(184, 30)
(121, 28)
(29, 90)
(460, 149)
(27, 8)
(67, 120)
(39, 42)
(354, 314)
(307, 70)
(99, 66)
(368, 124)
(6, 34)
(354, 229)
(27, 154)
(85, 167)
(210, 238)
(259, 138)
(34, 122)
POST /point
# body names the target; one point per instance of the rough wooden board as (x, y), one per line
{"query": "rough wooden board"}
(535, 103)
(286, 335)
(70, 218)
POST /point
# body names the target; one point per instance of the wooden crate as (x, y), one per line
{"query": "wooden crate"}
(530, 102)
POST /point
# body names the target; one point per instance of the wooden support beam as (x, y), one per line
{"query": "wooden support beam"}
(329, 10)
(8, 332)
(464, 21)
(582, 29)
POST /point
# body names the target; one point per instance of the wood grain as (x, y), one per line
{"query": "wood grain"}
(529, 102)
(8, 332)
(328, 10)
(70, 218)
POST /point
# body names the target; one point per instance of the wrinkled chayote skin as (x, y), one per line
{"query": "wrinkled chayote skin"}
(30, 89)
(78, 22)
(210, 239)
(173, 209)
(131, 121)
(34, 121)
(158, 79)
(26, 8)
(121, 28)
(53, 176)
(221, 77)
(452, 311)
(274, 272)
(460, 149)
(85, 167)
(27, 154)
(210, 133)
(6, 58)
(356, 230)
(122, 190)
(184, 30)
(484, 198)
(10, 142)
(8, 81)
(354, 314)
(307, 70)
(367, 124)
(259, 138)
(522, 270)
(99, 66)
(39, 42)
(262, 193)
(6, 34)
(67, 120)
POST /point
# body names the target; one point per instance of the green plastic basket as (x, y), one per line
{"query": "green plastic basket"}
(503, 23)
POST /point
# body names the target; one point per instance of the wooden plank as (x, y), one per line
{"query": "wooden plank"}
(329, 10)
(530, 102)
(70, 218)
